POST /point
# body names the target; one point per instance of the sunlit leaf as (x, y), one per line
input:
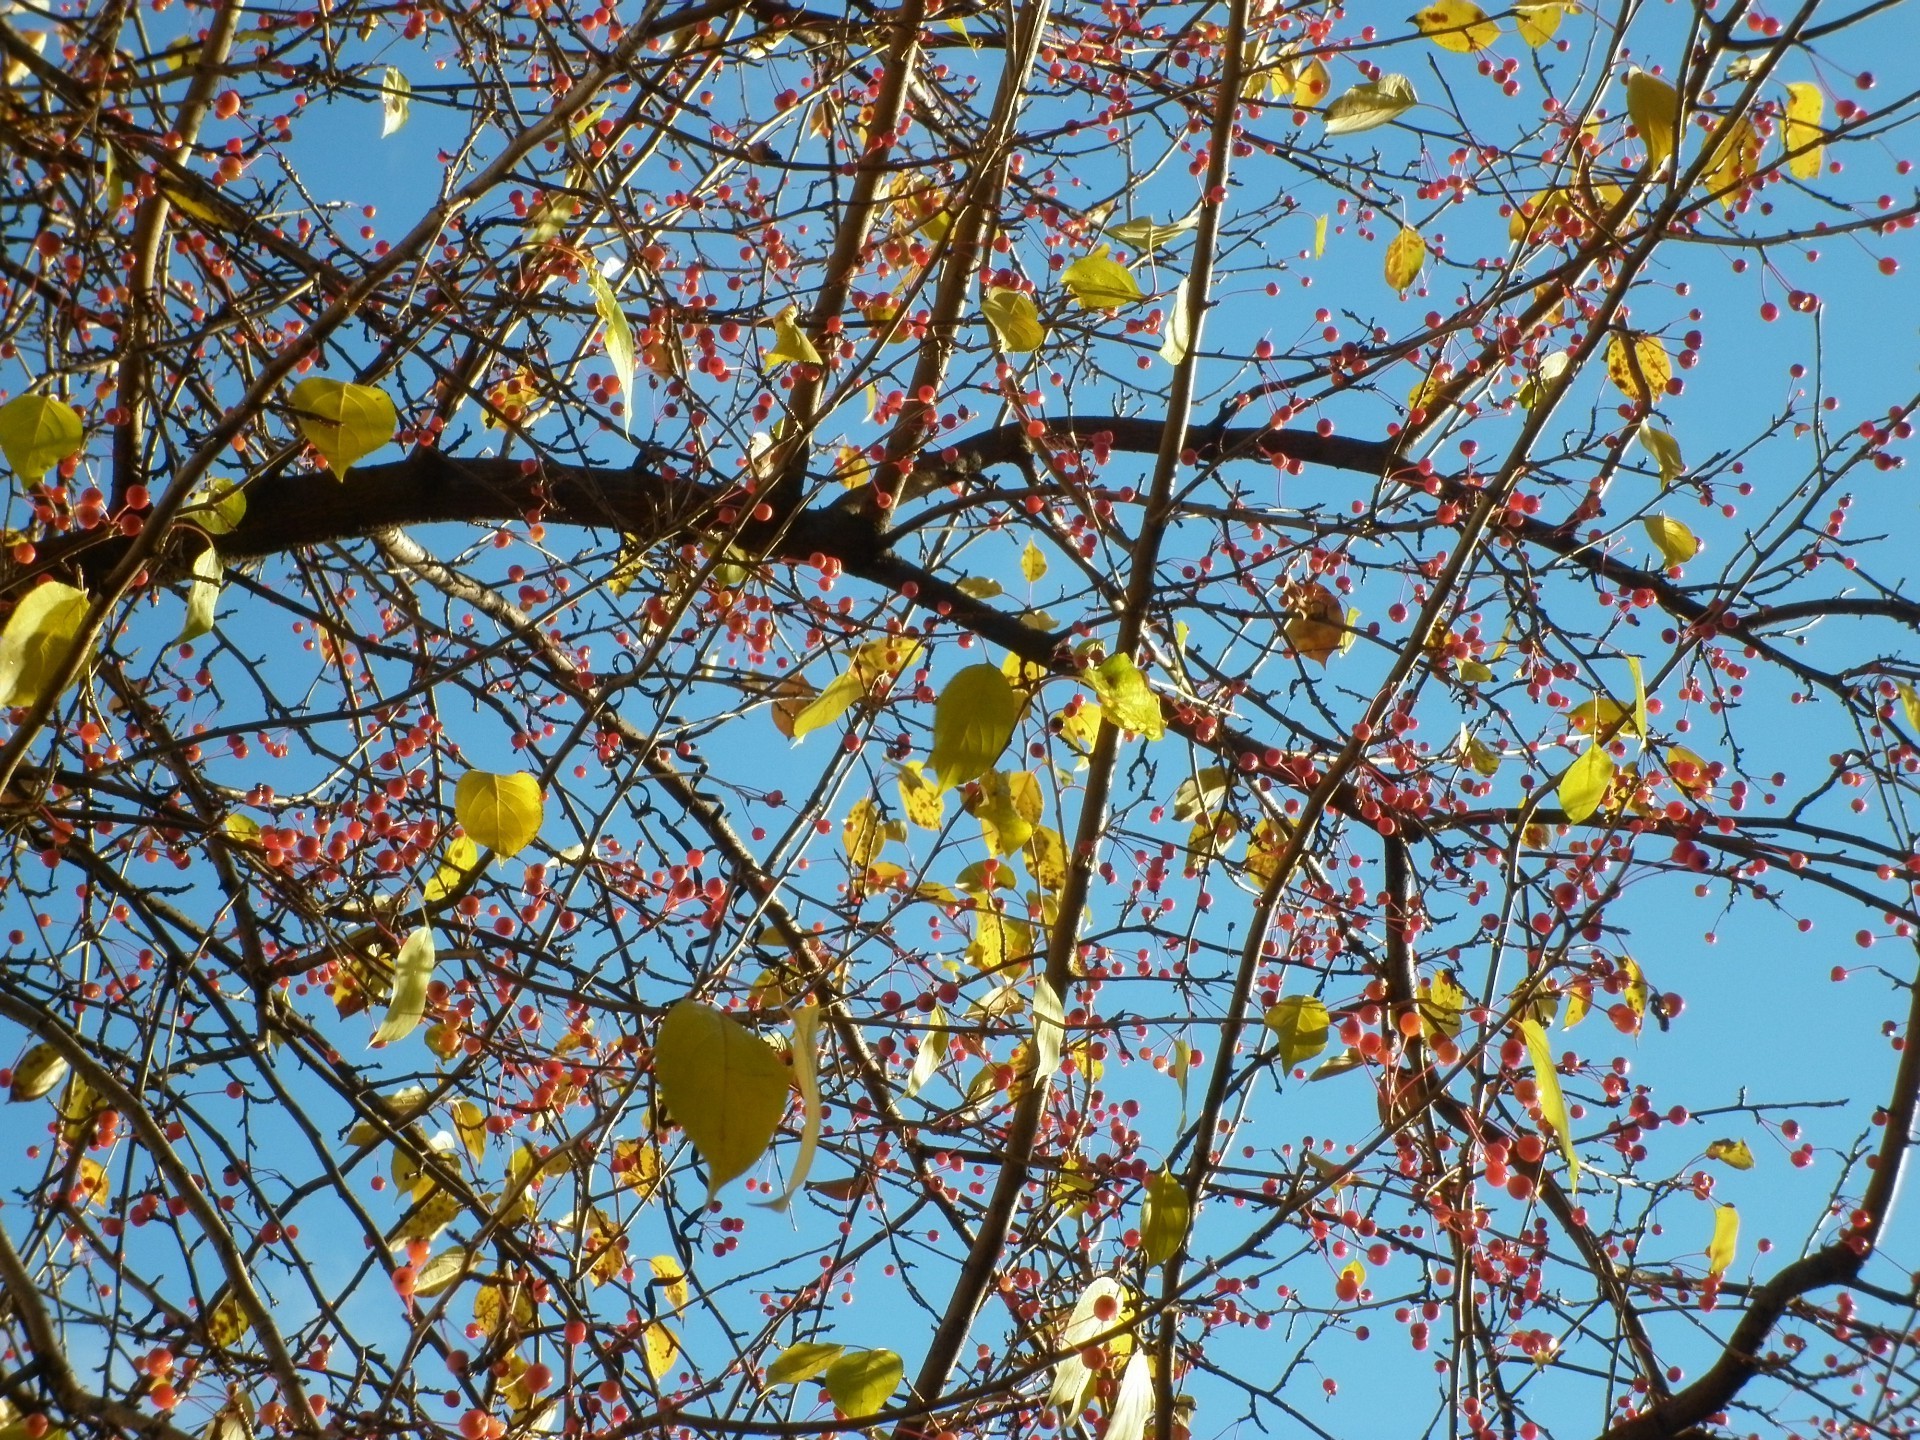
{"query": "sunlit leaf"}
(1133, 1404)
(1909, 703)
(1665, 451)
(873, 664)
(617, 334)
(1165, 1216)
(1732, 1153)
(501, 812)
(923, 802)
(722, 1085)
(973, 720)
(1725, 1241)
(343, 421)
(802, 1361)
(39, 636)
(1585, 784)
(1801, 133)
(1080, 726)
(1638, 366)
(462, 860)
(1300, 1023)
(1441, 1002)
(1033, 563)
(861, 1381)
(790, 343)
(1675, 541)
(1200, 794)
(1008, 806)
(39, 1071)
(1145, 236)
(1126, 698)
(470, 1124)
(1049, 1031)
(1733, 160)
(1179, 326)
(203, 596)
(661, 1348)
(1457, 25)
(396, 101)
(1311, 87)
(1014, 319)
(1546, 1084)
(412, 972)
(1603, 716)
(1406, 254)
(1539, 384)
(1045, 854)
(933, 1049)
(1640, 723)
(442, 1272)
(217, 507)
(37, 432)
(1654, 107)
(1100, 283)
(1370, 104)
(806, 1079)
(865, 834)
(1537, 23)
(1071, 1377)
(1316, 624)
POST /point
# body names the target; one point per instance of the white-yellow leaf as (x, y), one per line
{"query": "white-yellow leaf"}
(618, 336)
(806, 1078)
(412, 972)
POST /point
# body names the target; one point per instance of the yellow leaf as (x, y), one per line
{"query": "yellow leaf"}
(723, 1086)
(790, 342)
(637, 1167)
(1144, 235)
(39, 636)
(1689, 772)
(1311, 88)
(1585, 784)
(1675, 540)
(662, 1349)
(1801, 133)
(1164, 1218)
(1406, 253)
(412, 972)
(1639, 694)
(1179, 327)
(1457, 25)
(1536, 24)
(1316, 625)
(1639, 367)
(1045, 854)
(1603, 716)
(1579, 1002)
(1909, 703)
(933, 1049)
(1133, 1403)
(343, 421)
(973, 720)
(925, 804)
(861, 1381)
(1125, 696)
(1300, 1024)
(1734, 160)
(1654, 107)
(396, 100)
(501, 812)
(39, 1070)
(1732, 1153)
(1319, 236)
(1546, 1083)
(617, 333)
(442, 1273)
(1371, 104)
(1008, 807)
(1199, 794)
(463, 860)
(874, 663)
(470, 1124)
(1099, 283)
(865, 834)
(1441, 1003)
(227, 1323)
(1265, 848)
(37, 432)
(1726, 1239)
(806, 1067)
(1665, 451)
(1080, 726)
(216, 507)
(1531, 217)
(202, 597)
(802, 1361)
(1014, 319)
(1049, 1031)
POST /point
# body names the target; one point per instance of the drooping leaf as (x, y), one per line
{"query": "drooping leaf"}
(617, 334)
(1665, 451)
(973, 720)
(802, 1361)
(1640, 723)
(1014, 319)
(1180, 326)
(791, 346)
(37, 432)
(1909, 704)
(1603, 716)
(1126, 698)
(1133, 1405)
(1165, 1217)
(1801, 133)
(1049, 1031)
(1441, 1002)
(1639, 367)
(1546, 1084)
(661, 1348)
(1725, 1241)
(933, 1049)
(462, 860)
(924, 803)
(216, 507)
(1100, 283)
(1200, 794)
(1033, 563)
(1008, 807)
(1316, 624)
(1406, 254)
(412, 972)
(470, 1124)
(1585, 784)
(1675, 541)
(396, 102)
(345, 422)
(1045, 854)
(203, 596)
(1071, 1378)
(39, 1071)
(1310, 89)
(1734, 159)
(875, 663)
(1371, 104)
(862, 1381)
(1300, 1023)
(442, 1272)
(38, 638)
(806, 1079)
(501, 812)
(1654, 107)
(1537, 23)
(1457, 25)
(722, 1084)
(865, 834)
(1732, 1153)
